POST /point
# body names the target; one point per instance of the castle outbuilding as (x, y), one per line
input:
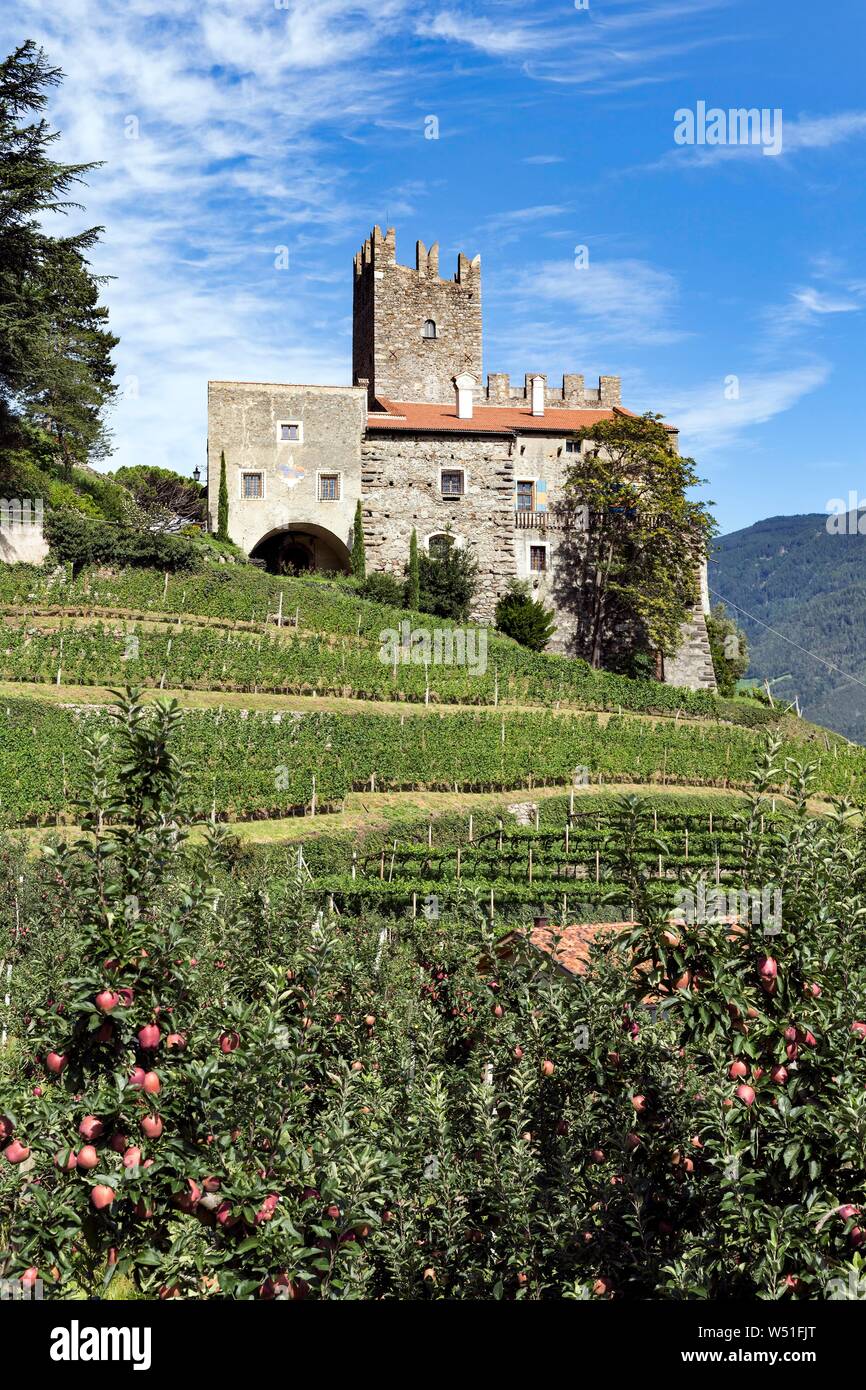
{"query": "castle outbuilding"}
(422, 443)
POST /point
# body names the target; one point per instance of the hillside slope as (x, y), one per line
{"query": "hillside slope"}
(798, 591)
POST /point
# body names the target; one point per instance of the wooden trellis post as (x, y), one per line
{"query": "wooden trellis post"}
(458, 861)
(597, 867)
(530, 863)
(470, 827)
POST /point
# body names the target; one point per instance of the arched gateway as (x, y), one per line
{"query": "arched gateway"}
(302, 546)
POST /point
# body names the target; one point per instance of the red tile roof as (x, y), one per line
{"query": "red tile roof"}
(570, 946)
(419, 417)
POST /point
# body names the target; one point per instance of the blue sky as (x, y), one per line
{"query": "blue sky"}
(233, 128)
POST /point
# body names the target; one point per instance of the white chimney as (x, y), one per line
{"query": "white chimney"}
(537, 384)
(465, 384)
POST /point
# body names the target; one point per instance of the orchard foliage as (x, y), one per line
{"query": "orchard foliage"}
(280, 1102)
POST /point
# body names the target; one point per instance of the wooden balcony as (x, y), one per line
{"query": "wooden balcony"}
(531, 521)
(558, 520)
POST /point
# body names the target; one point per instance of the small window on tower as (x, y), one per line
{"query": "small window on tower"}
(289, 432)
(572, 446)
(329, 487)
(252, 485)
(538, 558)
(452, 484)
(430, 329)
(525, 497)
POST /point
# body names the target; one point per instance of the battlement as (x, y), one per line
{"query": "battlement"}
(380, 250)
(413, 331)
(572, 395)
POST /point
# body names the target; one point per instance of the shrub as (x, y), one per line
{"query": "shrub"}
(448, 579)
(524, 618)
(80, 541)
(382, 587)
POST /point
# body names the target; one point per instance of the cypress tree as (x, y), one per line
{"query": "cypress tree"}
(413, 589)
(359, 559)
(222, 533)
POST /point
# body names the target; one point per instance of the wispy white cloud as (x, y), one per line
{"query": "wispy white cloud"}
(600, 304)
(712, 417)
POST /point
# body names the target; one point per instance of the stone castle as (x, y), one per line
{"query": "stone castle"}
(421, 443)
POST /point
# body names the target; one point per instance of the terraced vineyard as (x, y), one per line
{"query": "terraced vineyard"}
(247, 764)
(331, 644)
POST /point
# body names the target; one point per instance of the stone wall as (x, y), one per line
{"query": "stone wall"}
(244, 419)
(393, 302)
(22, 545)
(402, 491)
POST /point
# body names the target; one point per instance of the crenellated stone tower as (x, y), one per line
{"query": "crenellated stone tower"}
(413, 331)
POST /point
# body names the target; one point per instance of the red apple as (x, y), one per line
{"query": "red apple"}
(547, 1068)
(859, 1029)
(150, 1084)
(107, 1000)
(15, 1152)
(136, 1078)
(56, 1061)
(229, 1042)
(119, 1143)
(857, 1236)
(126, 996)
(88, 1157)
(148, 1036)
(29, 1277)
(597, 1155)
(224, 1215)
(268, 1207)
(518, 1052)
(847, 1211)
(132, 1157)
(37, 1091)
(767, 968)
(779, 1074)
(639, 1103)
(737, 1069)
(498, 1011)
(7, 1128)
(632, 1141)
(101, 1196)
(152, 1126)
(176, 1040)
(68, 1163)
(369, 1019)
(91, 1128)
(745, 1094)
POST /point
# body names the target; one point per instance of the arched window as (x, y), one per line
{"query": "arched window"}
(430, 329)
(440, 545)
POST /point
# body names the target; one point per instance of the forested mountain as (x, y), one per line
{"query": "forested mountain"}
(799, 592)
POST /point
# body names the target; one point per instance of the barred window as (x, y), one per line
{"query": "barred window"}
(329, 487)
(252, 485)
(452, 484)
(538, 558)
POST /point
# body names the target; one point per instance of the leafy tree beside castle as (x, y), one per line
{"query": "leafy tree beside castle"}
(56, 373)
(448, 576)
(729, 648)
(640, 539)
(524, 618)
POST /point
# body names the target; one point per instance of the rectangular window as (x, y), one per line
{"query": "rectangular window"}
(452, 484)
(572, 446)
(525, 497)
(329, 487)
(290, 433)
(538, 558)
(252, 485)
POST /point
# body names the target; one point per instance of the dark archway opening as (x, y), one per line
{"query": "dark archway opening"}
(298, 549)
